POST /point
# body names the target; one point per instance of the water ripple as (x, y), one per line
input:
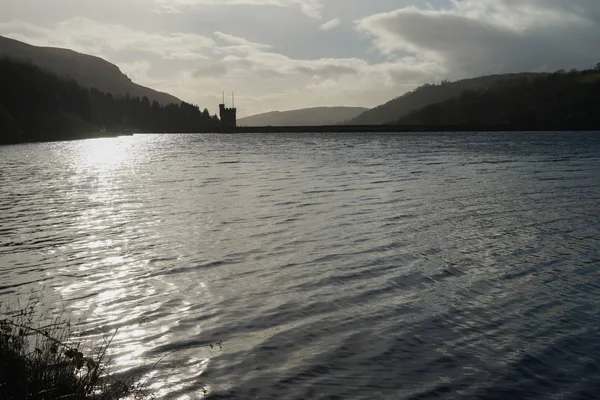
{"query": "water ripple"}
(363, 266)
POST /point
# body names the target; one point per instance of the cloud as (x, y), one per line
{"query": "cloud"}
(409, 45)
(312, 8)
(474, 37)
(266, 80)
(85, 35)
(236, 44)
(197, 68)
(334, 23)
(137, 70)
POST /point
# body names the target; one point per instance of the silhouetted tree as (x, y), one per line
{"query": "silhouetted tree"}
(37, 105)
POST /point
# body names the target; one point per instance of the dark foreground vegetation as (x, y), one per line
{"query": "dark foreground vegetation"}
(41, 358)
(558, 101)
(36, 105)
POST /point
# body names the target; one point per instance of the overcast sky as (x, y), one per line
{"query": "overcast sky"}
(286, 54)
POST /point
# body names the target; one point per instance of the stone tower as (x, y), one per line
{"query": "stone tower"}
(228, 115)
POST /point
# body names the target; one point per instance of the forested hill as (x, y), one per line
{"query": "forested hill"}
(36, 105)
(88, 71)
(312, 116)
(431, 94)
(559, 101)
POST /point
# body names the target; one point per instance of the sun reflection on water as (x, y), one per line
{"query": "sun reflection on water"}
(122, 311)
(104, 153)
(120, 287)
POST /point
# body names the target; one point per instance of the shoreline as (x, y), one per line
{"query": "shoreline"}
(408, 129)
(68, 138)
(327, 129)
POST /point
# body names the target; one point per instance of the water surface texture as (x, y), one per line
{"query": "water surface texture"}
(354, 266)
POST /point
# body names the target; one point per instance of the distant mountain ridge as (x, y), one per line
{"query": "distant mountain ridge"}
(559, 101)
(307, 116)
(88, 71)
(428, 94)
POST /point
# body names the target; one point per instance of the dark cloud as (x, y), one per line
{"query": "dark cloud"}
(507, 35)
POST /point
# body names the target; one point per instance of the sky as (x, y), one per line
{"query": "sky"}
(288, 54)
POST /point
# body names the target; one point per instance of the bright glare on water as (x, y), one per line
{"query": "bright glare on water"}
(333, 266)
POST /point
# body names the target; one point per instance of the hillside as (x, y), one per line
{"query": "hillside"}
(37, 105)
(306, 116)
(558, 101)
(88, 71)
(430, 94)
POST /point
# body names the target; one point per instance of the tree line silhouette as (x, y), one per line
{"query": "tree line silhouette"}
(36, 105)
(557, 101)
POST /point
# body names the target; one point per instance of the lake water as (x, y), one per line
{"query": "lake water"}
(332, 266)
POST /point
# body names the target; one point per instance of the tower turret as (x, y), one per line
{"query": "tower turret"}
(228, 115)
